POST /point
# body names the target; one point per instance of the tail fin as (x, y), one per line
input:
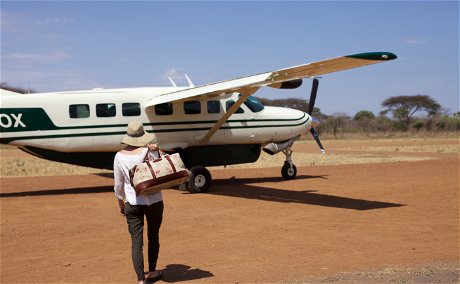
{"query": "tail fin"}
(8, 93)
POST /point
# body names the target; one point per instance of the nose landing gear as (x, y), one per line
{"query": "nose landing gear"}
(289, 170)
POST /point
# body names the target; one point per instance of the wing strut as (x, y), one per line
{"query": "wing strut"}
(245, 93)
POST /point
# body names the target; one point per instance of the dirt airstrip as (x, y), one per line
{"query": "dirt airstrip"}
(371, 211)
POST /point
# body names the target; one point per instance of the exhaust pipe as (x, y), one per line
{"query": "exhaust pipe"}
(274, 148)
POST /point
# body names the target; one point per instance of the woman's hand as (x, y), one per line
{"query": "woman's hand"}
(121, 205)
(153, 147)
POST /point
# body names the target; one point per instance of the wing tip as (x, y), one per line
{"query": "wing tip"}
(380, 56)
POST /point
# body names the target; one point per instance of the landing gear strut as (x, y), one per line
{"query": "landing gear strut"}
(289, 170)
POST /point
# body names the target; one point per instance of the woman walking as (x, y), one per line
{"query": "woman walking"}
(138, 142)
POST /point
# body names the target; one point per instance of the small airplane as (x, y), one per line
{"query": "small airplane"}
(216, 124)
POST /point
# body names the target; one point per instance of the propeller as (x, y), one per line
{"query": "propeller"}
(311, 105)
(314, 90)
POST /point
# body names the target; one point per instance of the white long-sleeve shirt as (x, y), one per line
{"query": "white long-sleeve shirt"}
(123, 189)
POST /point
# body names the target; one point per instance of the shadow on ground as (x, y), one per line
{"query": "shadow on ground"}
(244, 188)
(180, 272)
(249, 188)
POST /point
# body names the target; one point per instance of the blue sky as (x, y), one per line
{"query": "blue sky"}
(55, 46)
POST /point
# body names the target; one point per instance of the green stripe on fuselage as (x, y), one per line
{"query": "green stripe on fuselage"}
(25, 119)
(35, 119)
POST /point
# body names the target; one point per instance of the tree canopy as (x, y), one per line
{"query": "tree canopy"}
(364, 115)
(404, 107)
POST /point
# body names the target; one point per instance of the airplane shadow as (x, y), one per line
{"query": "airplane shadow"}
(106, 175)
(242, 188)
(84, 190)
(180, 272)
(105, 189)
(263, 179)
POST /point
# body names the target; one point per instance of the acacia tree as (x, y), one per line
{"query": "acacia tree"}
(363, 115)
(404, 107)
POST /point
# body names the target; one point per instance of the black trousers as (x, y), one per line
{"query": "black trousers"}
(135, 218)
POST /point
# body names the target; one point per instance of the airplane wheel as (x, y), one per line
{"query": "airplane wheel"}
(287, 172)
(200, 180)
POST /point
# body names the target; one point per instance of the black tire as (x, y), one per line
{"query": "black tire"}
(200, 180)
(287, 172)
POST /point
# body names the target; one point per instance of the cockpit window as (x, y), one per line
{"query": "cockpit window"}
(229, 104)
(253, 104)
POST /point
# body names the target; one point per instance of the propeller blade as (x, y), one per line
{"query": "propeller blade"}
(315, 135)
(314, 90)
(311, 105)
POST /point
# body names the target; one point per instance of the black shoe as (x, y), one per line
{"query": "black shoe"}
(154, 279)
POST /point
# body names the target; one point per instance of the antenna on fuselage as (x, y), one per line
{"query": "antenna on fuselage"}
(172, 82)
(190, 83)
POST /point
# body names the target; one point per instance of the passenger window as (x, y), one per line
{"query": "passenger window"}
(192, 107)
(79, 111)
(164, 109)
(229, 105)
(213, 107)
(105, 110)
(131, 109)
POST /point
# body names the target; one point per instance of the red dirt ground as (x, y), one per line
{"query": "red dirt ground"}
(370, 223)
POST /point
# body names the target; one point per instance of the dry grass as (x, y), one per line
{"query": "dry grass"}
(408, 148)
(307, 159)
(17, 164)
(32, 166)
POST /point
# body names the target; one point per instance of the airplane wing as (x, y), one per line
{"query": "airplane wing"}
(250, 84)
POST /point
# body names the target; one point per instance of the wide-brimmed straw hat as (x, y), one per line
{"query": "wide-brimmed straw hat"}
(137, 136)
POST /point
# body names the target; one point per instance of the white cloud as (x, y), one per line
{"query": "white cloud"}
(10, 22)
(14, 22)
(176, 74)
(49, 80)
(54, 56)
(52, 21)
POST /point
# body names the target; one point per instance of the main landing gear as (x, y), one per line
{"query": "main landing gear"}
(289, 170)
(200, 180)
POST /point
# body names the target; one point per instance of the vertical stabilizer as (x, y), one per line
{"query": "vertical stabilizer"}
(8, 93)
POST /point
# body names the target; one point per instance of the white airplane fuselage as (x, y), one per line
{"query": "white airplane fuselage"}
(84, 122)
